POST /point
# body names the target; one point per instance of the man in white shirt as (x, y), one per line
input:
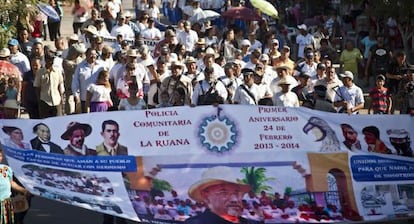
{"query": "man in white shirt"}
(209, 90)
(285, 98)
(122, 28)
(303, 40)
(349, 98)
(18, 58)
(151, 32)
(85, 74)
(247, 93)
(188, 37)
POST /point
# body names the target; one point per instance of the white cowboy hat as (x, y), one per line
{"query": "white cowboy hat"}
(213, 176)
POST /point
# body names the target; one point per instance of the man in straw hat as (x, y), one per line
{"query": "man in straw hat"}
(220, 191)
(285, 98)
(76, 133)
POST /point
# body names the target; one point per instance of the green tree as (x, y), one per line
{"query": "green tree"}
(256, 178)
(13, 14)
(159, 186)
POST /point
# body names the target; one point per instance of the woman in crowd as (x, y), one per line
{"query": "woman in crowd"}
(6, 185)
(133, 102)
(98, 96)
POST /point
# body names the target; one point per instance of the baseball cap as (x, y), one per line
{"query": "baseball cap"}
(302, 27)
(347, 74)
(275, 41)
(309, 54)
(305, 75)
(247, 71)
(382, 77)
(264, 57)
(321, 66)
(286, 47)
(245, 42)
(187, 23)
(13, 42)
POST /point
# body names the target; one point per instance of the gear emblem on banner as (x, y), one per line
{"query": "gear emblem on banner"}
(218, 133)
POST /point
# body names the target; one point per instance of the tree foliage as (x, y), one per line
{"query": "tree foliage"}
(13, 15)
(256, 178)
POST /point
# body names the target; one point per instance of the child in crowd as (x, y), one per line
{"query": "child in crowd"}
(381, 102)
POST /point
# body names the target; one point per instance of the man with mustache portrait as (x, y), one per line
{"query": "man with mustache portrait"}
(76, 133)
(110, 145)
(223, 195)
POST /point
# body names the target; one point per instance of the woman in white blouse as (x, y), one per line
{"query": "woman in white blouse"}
(98, 95)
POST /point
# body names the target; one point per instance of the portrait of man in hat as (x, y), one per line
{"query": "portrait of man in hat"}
(110, 146)
(219, 190)
(42, 140)
(76, 133)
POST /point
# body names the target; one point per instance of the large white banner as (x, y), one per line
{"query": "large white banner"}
(291, 164)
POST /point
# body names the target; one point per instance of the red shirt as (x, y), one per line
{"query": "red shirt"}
(379, 99)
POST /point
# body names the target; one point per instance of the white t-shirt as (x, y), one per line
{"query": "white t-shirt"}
(304, 41)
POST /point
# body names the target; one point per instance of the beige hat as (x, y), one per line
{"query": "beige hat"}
(132, 53)
(4, 52)
(73, 37)
(211, 51)
(176, 63)
(283, 67)
(80, 47)
(213, 176)
(283, 82)
(190, 59)
(201, 41)
(91, 29)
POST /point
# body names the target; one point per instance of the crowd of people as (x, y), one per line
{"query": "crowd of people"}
(199, 63)
(70, 181)
(114, 62)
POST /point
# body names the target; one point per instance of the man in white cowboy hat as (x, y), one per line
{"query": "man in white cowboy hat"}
(219, 190)
(178, 80)
(285, 98)
(76, 133)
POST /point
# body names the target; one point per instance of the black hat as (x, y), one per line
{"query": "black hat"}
(248, 71)
(74, 126)
(9, 129)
